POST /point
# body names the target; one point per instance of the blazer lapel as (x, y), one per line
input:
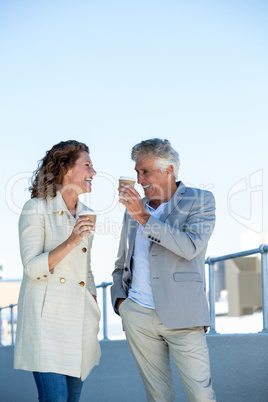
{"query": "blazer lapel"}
(132, 229)
(174, 201)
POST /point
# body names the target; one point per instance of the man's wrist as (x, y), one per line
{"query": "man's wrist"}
(143, 218)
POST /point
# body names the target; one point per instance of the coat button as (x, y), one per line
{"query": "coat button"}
(126, 269)
(129, 281)
(45, 276)
(60, 212)
(149, 237)
(38, 278)
(82, 283)
(62, 280)
(84, 249)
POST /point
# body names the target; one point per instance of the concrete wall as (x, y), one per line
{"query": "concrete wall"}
(239, 366)
(244, 285)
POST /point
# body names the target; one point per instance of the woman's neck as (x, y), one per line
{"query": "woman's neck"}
(70, 199)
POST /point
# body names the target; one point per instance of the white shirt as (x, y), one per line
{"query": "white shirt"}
(141, 290)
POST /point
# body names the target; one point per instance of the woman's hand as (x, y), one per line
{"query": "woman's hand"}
(83, 227)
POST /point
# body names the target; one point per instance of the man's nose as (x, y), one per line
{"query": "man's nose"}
(139, 178)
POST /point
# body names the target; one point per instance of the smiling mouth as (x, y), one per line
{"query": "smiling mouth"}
(89, 180)
(146, 187)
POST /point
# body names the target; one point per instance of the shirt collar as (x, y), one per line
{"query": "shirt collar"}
(160, 207)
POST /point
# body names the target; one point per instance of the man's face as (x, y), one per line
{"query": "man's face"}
(156, 184)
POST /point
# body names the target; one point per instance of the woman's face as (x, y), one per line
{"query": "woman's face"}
(80, 176)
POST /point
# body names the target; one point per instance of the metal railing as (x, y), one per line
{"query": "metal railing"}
(211, 261)
(104, 286)
(11, 308)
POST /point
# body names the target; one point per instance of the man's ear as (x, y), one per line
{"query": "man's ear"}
(170, 170)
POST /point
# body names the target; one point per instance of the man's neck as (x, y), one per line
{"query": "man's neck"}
(155, 203)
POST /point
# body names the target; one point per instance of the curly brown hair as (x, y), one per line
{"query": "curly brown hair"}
(48, 176)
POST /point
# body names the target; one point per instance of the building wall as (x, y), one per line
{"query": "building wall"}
(1, 272)
(243, 279)
(239, 366)
(9, 292)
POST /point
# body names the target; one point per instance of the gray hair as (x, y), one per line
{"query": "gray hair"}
(159, 149)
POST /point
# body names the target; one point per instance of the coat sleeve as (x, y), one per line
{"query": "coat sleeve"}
(189, 238)
(117, 289)
(90, 277)
(31, 237)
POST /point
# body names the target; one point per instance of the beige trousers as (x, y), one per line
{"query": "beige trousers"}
(150, 342)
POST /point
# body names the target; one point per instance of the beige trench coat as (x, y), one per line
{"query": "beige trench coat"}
(58, 318)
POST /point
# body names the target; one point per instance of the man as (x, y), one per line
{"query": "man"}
(159, 278)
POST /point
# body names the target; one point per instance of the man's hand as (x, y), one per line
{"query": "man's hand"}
(133, 203)
(119, 301)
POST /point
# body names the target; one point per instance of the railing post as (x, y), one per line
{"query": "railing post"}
(12, 323)
(0, 326)
(211, 296)
(104, 308)
(264, 283)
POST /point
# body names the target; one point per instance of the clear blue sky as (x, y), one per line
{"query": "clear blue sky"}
(112, 73)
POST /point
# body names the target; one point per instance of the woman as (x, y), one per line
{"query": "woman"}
(58, 317)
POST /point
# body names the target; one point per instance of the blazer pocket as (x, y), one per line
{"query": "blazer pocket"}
(187, 277)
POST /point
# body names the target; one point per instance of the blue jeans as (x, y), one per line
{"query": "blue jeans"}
(53, 387)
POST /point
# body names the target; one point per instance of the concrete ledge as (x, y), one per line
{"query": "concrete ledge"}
(239, 365)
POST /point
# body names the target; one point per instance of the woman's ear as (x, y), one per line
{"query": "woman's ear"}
(64, 170)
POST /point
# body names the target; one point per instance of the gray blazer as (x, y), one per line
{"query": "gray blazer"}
(177, 257)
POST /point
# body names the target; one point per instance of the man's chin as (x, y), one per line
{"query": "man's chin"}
(149, 193)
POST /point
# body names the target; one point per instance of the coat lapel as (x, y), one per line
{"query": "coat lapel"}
(58, 206)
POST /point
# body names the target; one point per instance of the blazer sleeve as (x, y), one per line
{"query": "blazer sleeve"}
(117, 290)
(31, 237)
(189, 238)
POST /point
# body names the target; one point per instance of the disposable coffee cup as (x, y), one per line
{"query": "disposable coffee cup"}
(91, 215)
(126, 180)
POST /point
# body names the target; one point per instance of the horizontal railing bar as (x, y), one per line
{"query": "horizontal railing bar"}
(104, 285)
(11, 305)
(263, 249)
(212, 260)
